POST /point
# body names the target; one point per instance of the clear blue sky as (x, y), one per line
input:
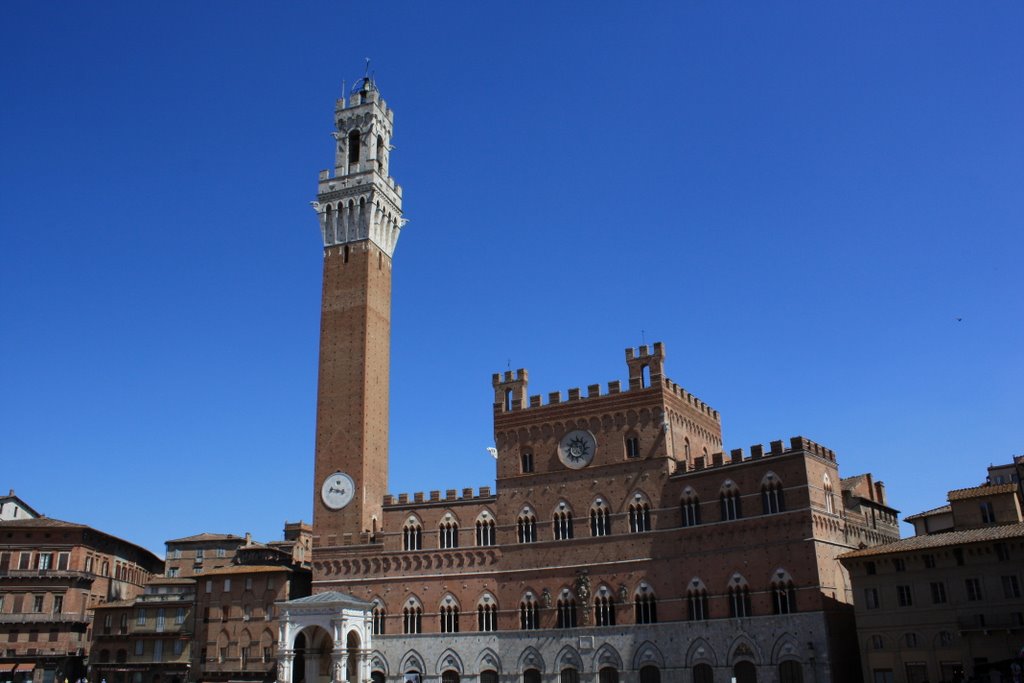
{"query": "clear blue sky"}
(799, 199)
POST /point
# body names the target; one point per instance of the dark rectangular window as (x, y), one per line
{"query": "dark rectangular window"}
(871, 598)
(938, 593)
(904, 598)
(929, 561)
(1011, 587)
(973, 588)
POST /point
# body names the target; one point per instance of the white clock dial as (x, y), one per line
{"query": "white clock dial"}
(576, 449)
(338, 490)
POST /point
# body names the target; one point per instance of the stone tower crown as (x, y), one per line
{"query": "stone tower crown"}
(361, 201)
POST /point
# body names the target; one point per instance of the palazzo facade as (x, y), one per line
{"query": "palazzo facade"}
(620, 541)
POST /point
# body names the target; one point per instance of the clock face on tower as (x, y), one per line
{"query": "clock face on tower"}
(338, 490)
(576, 449)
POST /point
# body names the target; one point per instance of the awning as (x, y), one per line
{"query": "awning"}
(6, 666)
(25, 666)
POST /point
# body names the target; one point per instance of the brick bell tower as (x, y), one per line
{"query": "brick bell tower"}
(360, 210)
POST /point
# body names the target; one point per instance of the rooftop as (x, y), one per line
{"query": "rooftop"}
(980, 491)
(928, 513)
(206, 536)
(941, 540)
(246, 569)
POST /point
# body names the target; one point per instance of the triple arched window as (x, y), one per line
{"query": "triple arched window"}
(639, 515)
(485, 529)
(379, 618)
(412, 617)
(645, 606)
(526, 527)
(449, 616)
(562, 523)
(772, 498)
(487, 614)
(697, 601)
(528, 617)
(566, 607)
(604, 607)
(448, 533)
(600, 519)
(729, 500)
(412, 535)
(690, 507)
(739, 597)
(783, 593)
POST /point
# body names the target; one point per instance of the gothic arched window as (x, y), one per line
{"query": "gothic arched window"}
(600, 519)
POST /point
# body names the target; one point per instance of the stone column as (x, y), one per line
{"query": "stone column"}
(339, 662)
(285, 660)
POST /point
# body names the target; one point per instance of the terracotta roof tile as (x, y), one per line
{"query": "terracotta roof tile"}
(206, 536)
(983, 490)
(943, 539)
(246, 569)
(927, 513)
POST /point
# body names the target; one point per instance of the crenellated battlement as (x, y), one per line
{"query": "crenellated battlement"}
(646, 371)
(797, 444)
(366, 94)
(450, 496)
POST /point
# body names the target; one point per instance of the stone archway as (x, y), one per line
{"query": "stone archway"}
(325, 638)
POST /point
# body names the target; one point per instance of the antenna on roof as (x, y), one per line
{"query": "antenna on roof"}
(643, 338)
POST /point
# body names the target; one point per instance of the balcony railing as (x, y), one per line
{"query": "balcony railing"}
(46, 573)
(990, 622)
(42, 618)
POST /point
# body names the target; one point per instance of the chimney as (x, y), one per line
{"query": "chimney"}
(248, 538)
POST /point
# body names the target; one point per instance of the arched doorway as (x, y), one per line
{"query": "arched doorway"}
(650, 674)
(450, 676)
(531, 676)
(745, 672)
(312, 664)
(608, 674)
(703, 673)
(352, 649)
(489, 676)
(791, 671)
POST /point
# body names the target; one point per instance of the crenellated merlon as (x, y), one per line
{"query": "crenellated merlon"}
(646, 371)
(757, 452)
(450, 496)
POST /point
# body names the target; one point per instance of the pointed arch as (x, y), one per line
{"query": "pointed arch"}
(729, 499)
(639, 513)
(786, 647)
(568, 658)
(378, 662)
(412, 533)
(486, 613)
(526, 525)
(783, 592)
(562, 521)
(488, 659)
(449, 661)
(485, 528)
(600, 518)
(448, 614)
(738, 592)
(531, 658)
(645, 604)
(743, 648)
(448, 530)
(648, 654)
(689, 503)
(413, 661)
(701, 652)
(604, 606)
(773, 499)
(606, 655)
